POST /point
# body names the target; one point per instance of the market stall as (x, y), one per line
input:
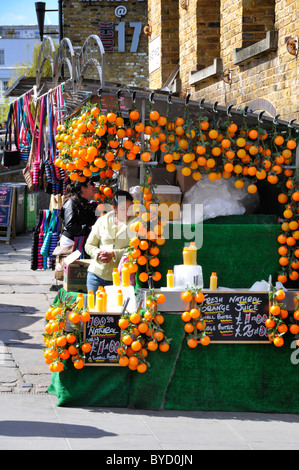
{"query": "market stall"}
(220, 158)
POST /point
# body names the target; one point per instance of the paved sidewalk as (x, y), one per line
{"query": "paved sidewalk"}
(30, 418)
(25, 296)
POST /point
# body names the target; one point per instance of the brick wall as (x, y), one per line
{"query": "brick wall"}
(272, 76)
(164, 24)
(83, 18)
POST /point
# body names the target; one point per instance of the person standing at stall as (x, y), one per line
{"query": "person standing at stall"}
(77, 213)
(108, 241)
(78, 216)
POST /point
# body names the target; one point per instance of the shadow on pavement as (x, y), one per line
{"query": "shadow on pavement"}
(44, 429)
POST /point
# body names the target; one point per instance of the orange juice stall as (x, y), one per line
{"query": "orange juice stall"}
(175, 340)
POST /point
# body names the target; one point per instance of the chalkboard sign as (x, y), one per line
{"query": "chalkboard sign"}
(103, 333)
(236, 316)
(6, 199)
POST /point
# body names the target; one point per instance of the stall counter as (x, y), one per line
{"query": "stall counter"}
(225, 377)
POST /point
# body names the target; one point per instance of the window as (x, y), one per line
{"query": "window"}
(2, 57)
(258, 19)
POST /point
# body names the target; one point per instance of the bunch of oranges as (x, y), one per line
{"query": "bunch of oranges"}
(141, 333)
(277, 314)
(147, 236)
(226, 150)
(294, 328)
(95, 142)
(195, 326)
(288, 239)
(60, 344)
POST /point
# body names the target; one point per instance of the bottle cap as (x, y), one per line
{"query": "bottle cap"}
(119, 291)
(214, 274)
(192, 243)
(169, 271)
(115, 270)
(125, 265)
(90, 291)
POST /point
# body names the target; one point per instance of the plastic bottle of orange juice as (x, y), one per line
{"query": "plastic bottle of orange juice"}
(213, 281)
(193, 253)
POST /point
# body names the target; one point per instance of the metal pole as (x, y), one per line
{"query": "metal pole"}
(60, 20)
(40, 8)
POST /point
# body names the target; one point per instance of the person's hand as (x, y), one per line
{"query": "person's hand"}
(105, 256)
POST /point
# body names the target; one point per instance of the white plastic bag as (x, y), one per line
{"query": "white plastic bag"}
(218, 198)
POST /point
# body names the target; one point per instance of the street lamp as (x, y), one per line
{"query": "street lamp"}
(40, 8)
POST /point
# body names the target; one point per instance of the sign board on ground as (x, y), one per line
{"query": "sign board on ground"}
(7, 198)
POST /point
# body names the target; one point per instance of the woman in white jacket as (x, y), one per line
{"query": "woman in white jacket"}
(108, 241)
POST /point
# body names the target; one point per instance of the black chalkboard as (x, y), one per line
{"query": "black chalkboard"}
(6, 199)
(236, 316)
(103, 332)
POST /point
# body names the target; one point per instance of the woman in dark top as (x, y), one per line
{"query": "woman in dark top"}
(77, 213)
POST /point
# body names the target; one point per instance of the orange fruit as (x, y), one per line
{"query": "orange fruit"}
(71, 338)
(161, 299)
(86, 347)
(123, 323)
(192, 343)
(282, 328)
(294, 329)
(186, 296)
(189, 328)
(152, 345)
(279, 140)
(134, 115)
(269, 323)
(282, 278)
(143, 277)
(154, 115)
(136, 345)
(164, 347)
(274, 310)
(157, 276)
(135, 317)
(186, 317)
(194, 313)
(72, 350)
(123, 361)
(278, 341)
(205, 340)
(253, 134)
(141, 368)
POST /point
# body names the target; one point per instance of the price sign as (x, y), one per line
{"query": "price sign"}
(236, 316)
(103, 333)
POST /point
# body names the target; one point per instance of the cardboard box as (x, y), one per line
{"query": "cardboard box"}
(75, 272)
(184, 182)
(170, 201)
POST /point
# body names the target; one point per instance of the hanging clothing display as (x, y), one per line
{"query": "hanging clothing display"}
(30, 140)
(45, 239)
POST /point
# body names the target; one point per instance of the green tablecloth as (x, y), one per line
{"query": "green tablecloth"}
(229, 377)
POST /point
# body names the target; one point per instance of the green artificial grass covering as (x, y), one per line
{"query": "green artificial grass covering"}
(240, 254)
(227, 377)
(247, 219)
(223, 377)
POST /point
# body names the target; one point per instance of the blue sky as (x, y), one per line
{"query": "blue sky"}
(22, 12)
